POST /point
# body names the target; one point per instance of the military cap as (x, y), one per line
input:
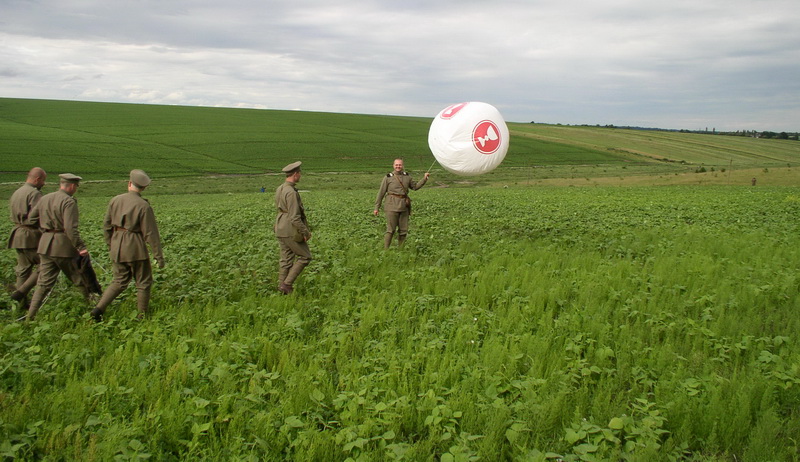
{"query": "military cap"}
(139, 178)
(70, 178)
(291, 167)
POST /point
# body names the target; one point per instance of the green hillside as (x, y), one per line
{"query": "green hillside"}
(105, 140)
(669, 147)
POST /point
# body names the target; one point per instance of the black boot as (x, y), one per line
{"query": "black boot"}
(97, 315)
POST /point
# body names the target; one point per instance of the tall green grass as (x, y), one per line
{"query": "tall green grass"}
(518, 323)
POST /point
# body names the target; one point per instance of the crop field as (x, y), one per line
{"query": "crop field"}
(101, 141)
(524, 323)
(521, 321)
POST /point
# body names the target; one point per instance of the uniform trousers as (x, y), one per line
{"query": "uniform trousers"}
(27, 276)
(396, 221)
(49, 269)
(141, 271)
(295, 256)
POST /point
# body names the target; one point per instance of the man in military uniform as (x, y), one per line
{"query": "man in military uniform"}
(291, 229)
(25, 235)
(128, 225)
(57, 216)
(398, 205)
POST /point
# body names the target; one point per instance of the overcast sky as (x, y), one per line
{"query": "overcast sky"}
(724, 64)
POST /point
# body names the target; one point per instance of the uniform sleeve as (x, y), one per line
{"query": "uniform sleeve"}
(415, 186)
(151, 235)
(34, 199)
(108, 228)
(71, 225)
(33, 217)
(296, 213)
(381, 193)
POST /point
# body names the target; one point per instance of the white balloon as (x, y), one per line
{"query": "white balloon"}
(469, 138)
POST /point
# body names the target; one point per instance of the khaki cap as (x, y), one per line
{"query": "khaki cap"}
(291, 167)
(70, 178)
(139, 178)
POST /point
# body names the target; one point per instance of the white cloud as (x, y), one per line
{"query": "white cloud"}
(677, 64)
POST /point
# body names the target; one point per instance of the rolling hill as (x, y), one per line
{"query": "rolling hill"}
(105, 140)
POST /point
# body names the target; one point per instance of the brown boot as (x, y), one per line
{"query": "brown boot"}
(108, 296)
(142, 302)
(282, 272)
(286, 289)
(28, 285)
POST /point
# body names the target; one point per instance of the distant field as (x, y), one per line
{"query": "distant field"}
(97, 139)
(670, 147)
(104, 140)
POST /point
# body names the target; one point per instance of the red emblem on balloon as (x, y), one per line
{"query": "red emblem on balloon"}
(450, 111)
(486, 137)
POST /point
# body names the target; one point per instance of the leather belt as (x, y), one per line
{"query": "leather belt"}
(53, 230)
(120, 228)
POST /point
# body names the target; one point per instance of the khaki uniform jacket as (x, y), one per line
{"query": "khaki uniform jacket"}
(291, 219)
(25, 234)
(129, 223)
(57, 216)
(391, 185)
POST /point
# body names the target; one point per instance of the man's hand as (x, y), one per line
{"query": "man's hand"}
(83, 252)
(427, 174)
(375, 212)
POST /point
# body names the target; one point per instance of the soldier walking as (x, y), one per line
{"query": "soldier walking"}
(291, 229)
(129, 224)
(25, 235)
(57, 216)
(398, 205)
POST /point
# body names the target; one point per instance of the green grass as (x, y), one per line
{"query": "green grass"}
(102, 140)
(671, 147)
(524, 320)
(647, 323)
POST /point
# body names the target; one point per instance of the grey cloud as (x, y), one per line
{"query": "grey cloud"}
(620, 61)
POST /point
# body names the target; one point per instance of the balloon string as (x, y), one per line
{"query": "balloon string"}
(429, 168)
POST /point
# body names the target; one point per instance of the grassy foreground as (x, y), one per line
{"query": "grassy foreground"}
(522, 323)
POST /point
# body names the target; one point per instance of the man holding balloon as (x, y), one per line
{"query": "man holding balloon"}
(396, 186)
(467, 139)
